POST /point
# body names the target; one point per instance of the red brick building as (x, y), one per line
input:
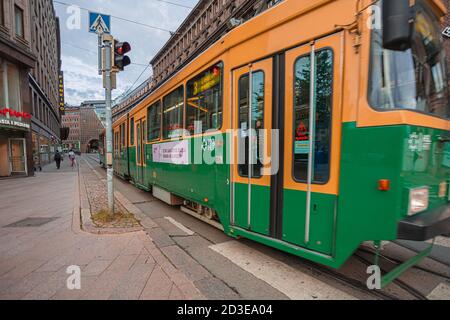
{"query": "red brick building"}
(72, 120)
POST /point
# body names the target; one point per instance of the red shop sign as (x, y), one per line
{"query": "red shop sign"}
(14, 113)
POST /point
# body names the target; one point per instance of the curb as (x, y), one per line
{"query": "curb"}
(85, 211)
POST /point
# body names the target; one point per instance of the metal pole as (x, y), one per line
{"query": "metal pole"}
(312, 140)
(109, 132)
(99, 54)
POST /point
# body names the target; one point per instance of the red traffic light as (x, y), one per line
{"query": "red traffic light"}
(120, 59)
(122, 47)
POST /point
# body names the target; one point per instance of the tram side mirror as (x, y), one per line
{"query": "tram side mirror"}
(396, 25)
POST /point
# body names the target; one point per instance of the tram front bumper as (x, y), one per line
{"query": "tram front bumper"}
(423, 227)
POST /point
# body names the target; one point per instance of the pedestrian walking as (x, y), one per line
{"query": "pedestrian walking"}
(58, 159)
(72, 158)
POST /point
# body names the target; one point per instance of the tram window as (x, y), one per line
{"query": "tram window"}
(154, 121)
(173, 105)
(144, 140)
(138, 129)
(204, 100)
(144, 128)
(132, 131)
(123, 135)
(116, 139)
(257, 123)
(323, 97)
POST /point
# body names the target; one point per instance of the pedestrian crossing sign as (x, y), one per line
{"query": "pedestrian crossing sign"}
(99, 23)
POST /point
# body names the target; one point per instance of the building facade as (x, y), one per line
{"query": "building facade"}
(91, 128)
(16, 60)
(99, 107)
(85, 128)
(72, 120)
(206, 24)
(44, 81)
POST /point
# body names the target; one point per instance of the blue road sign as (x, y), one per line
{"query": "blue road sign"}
(99, 23)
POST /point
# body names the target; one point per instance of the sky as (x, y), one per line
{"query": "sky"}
(79, 47)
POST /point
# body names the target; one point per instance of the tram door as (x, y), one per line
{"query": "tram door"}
(252, 113)
(140, 152)
(289, 191)
(312, 144)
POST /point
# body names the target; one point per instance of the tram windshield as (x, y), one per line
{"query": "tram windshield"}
(415, 79)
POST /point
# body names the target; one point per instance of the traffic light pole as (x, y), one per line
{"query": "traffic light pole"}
(107, 46)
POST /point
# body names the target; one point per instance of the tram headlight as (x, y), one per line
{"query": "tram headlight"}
(418, 200)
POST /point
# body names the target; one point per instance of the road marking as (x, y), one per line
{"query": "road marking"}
(180, 226)
(441, 292)
(293, 283)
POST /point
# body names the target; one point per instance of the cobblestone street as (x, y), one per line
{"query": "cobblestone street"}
(34, 259)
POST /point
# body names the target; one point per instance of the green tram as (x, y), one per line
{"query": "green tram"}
(319, 136)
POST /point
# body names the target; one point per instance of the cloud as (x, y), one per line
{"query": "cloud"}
(79, 48)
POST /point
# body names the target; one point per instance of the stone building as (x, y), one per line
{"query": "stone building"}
(99, 107)
(16, 60)
(85, 128)
(91, 128)
(72, 120)
(44, 81)
(206, 24)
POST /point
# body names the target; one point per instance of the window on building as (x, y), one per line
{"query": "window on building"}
(2, 13)
(13, 76)
(154, 121)
(173, 105)
(302, 108)
(204, 100)
(2, 86)
(19, 21)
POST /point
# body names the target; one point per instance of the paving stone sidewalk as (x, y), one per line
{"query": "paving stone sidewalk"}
(34, 259)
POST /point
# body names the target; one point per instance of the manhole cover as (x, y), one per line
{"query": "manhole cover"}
(31, 222)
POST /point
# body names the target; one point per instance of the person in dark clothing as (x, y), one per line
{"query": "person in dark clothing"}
(58, 159)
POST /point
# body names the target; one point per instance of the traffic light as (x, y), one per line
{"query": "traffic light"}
(120, 60)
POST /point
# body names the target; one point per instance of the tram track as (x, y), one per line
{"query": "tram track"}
(359, 284)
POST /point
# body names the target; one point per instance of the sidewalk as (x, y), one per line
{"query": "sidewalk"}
(35, 254)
